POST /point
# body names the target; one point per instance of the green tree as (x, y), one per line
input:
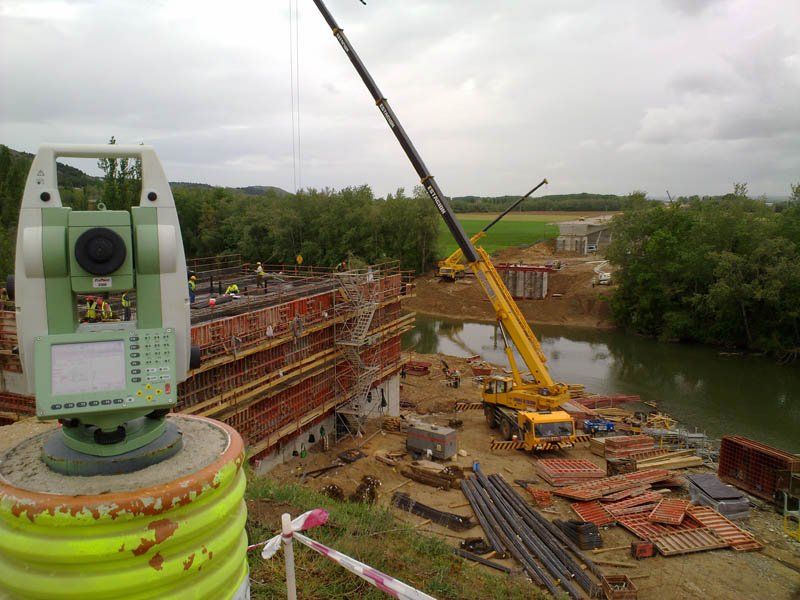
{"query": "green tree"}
(122, 181)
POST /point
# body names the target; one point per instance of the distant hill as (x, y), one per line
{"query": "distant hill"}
(68, 177)
(72, 177)
(250, 190)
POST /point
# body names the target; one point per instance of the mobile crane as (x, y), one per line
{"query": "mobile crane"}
(451, 267)
(525, 408)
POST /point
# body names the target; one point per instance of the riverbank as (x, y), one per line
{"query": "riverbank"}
(720, 574)
(572, 299)
(720, 395)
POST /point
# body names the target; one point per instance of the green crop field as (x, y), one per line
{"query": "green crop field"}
(519, 229)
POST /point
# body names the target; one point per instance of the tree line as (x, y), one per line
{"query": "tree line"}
(260, 223)
(556, 202)
(721, 270)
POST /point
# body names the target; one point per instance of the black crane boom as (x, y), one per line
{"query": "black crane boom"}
(425, 177)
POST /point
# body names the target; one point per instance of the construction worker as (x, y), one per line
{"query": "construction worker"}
(192, 288)
(91, 309)
(126, 306)
(232, 290)
(260, 275)
(106, 314)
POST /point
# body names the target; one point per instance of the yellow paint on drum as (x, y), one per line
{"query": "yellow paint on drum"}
(183, 539)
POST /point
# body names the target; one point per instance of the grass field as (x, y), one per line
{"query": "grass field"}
(519, 229)
(369, 534)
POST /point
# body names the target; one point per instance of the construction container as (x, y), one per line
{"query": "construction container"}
(181, 539)
(754, 467)
(618, 587)
(640, 550)
(441, 441)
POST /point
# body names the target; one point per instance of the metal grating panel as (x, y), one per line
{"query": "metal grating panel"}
(692, 540)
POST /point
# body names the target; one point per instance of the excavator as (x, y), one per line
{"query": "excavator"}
(526, 409)
(451, 267)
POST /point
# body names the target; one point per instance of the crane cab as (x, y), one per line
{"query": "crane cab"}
(520, 411)
(451, 271)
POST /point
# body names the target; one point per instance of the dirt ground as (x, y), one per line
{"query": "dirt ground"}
(771, 573)
(571, 300)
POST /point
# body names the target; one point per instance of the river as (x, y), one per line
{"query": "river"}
(720, 395)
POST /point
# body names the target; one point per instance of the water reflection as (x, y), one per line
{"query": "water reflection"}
(721, 395)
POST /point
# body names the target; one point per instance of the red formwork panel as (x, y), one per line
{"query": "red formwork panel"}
(17, 403)
(669, 511)
(752, 466)
(222, 336)
(739, 539)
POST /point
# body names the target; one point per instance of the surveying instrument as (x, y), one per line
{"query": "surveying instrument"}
(109, 384)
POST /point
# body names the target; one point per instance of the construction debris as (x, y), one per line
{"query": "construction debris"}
(367, 490)
(478, 545)
(447, 519)
(333, 491)
(446, 478)
(479, 559)
(352, 455)
(393, 424)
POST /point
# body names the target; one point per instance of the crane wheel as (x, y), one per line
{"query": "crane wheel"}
(491, 419)
(505, 430)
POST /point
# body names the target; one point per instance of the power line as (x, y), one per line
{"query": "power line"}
(294, 80)
(291, 80)
(297, 82)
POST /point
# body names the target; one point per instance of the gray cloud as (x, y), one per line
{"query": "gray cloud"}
(605, 97)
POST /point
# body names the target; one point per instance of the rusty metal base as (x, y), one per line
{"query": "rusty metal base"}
(63, 459)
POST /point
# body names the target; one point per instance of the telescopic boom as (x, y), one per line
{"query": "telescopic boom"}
(425, 176)
(544, 393)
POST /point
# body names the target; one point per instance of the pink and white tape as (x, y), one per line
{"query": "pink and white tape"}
(387, 584)
(309, 519)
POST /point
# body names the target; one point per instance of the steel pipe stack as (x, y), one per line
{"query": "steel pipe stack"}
(548, 556)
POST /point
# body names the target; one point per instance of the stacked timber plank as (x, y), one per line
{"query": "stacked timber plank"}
(680, 459)
(562, 472)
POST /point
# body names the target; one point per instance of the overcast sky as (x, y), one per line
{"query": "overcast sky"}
(685, 95)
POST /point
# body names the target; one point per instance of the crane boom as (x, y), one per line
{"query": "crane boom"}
(545, 393)
(457, 255)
